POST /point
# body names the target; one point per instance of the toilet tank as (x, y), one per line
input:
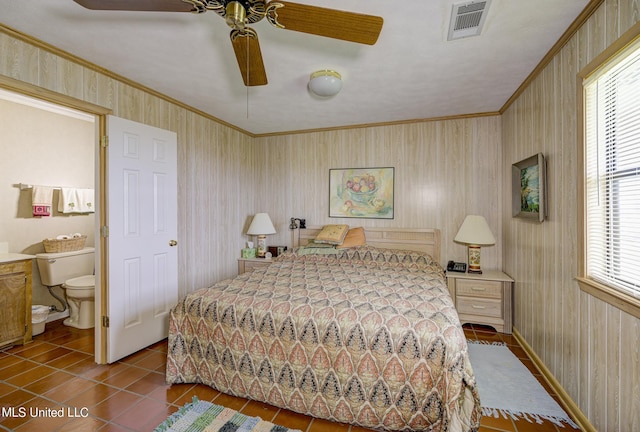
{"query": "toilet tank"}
(55, 268)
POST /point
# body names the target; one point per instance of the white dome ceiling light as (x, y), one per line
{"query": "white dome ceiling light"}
(325, 83)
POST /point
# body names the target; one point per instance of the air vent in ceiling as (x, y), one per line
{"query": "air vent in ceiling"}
(467, 18)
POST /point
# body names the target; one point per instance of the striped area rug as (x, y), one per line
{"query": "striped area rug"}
(202, 416)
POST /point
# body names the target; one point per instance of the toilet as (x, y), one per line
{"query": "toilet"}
(81, 293)
(74, 272)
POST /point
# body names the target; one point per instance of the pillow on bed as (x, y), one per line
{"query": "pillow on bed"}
(332, 234)
(355, 237)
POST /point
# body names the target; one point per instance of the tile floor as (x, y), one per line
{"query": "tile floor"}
(57, 373)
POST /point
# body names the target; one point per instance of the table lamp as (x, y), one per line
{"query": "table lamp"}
(474, 232)
(261, 226)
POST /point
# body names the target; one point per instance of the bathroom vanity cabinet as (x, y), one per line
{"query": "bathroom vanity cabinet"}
(15, 298)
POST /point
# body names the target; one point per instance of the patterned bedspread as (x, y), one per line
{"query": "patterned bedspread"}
(367, 336)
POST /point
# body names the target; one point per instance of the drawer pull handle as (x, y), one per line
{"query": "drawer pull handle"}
(478, 289)
(478, 307)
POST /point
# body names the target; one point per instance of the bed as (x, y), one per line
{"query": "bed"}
(366, 335)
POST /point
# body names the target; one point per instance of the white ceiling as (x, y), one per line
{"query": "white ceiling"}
(412, 72)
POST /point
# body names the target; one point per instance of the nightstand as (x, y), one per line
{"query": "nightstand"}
(248, 264)
(483, 298)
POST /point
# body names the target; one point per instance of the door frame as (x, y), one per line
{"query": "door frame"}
(100, 113)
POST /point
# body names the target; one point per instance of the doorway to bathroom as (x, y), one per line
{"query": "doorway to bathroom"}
(45, 147)
(100, 227)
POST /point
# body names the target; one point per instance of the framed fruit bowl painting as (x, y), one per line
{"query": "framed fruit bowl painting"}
(361, 192)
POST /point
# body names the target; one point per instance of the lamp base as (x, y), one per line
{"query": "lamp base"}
(262, 246)
(474, 259)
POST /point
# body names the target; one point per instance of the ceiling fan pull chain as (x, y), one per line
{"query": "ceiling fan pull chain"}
(248, 74)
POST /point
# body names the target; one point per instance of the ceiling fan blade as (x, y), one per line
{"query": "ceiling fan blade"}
(247, 48)
(332, 23)
(137, 5)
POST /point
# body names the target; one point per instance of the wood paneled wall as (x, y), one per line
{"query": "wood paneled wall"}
(444, 170)
(592, 348)
(216, 169)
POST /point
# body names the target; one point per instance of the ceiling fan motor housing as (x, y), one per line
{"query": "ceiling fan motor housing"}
(237, 13)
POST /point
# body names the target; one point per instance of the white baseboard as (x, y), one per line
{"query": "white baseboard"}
(566, 402)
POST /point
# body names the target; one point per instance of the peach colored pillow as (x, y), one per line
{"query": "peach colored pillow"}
(355, 237)
(332, 234)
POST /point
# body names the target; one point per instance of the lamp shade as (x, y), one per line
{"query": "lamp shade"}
(261, 225)
(325, 83)
(475, 231)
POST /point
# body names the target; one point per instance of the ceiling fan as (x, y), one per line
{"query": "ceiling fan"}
(332, 23)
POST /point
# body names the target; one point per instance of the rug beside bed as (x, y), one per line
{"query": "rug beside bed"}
(507, 387)
(202, 416)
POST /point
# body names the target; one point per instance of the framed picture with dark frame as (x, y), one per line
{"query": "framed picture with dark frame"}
(361, 192)
(528, 191)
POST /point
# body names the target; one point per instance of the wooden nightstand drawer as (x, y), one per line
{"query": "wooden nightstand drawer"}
(479, 306)
(479, 288)
(483, 298)
(250, 265)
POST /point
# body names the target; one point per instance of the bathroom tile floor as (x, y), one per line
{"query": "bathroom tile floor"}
(57, 374)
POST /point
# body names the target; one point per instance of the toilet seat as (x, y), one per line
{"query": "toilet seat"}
(81, 282)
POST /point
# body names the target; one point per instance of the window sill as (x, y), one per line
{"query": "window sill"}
(625, 302)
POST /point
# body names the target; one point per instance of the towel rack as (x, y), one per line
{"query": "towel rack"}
(24, 186)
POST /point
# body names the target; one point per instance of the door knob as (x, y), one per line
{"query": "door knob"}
(172, 242)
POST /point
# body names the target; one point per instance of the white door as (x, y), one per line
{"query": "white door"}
(142, 263)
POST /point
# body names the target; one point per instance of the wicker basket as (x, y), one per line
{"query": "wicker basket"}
(64, 245)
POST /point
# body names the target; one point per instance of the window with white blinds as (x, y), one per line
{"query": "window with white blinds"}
(612, 167)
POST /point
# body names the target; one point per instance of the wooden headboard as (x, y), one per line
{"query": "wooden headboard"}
(416, 239)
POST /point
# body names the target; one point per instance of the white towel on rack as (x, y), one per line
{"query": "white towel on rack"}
(68, 200)
(85, 201)
(41, 200)
(74, 200)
